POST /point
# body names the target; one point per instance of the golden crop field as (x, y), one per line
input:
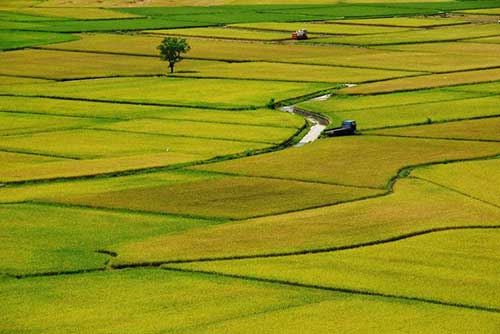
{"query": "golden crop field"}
(414, 206)
(320, 28)
(230, 193)
(481, 178)
(439, 265)
(368, 161)
(480, 129)
(408, 22)
(426, 81)
(225, 33)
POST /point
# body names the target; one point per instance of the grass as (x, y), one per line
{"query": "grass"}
(484, 11)
(240, 132)
(426, 81)
(227, 197)
(494, 40)
(131, 24)
(169, 301)
(60, 64)
(96, 186)
(180, 91)
(15, 161)
(432, 35)
(224, 33)
(292, 72)
(202, 48)
(479, 179)
(368, 161)
(480, 129)
(15, 39)
(415, 206)
(408, 22)
(419, 113)
(76, 13)
(318, 28)
(51, 244)
(92, 144)
(338, 103)
(430, 266)
(10, 80)
(12, 124)
(264, 117)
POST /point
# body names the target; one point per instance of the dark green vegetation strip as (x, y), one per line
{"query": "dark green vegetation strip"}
(15, 39)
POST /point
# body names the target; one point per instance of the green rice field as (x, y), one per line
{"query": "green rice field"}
(220, 196)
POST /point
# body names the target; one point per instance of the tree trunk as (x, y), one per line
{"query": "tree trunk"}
(171, 65)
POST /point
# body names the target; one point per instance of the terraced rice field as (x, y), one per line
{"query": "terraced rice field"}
(133, 200)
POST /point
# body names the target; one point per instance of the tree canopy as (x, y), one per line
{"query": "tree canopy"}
(171, 50)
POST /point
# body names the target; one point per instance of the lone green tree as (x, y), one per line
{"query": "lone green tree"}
(171, 49)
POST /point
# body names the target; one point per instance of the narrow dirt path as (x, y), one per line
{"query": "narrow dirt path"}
(319, 122)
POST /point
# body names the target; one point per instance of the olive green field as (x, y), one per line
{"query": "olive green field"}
(138, 200)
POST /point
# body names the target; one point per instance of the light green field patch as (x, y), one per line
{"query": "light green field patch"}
(355, 160)
(13, 25)
(240, 132)
(494, 40)
(319, 28)
(61, 239)
(409, 22)
(338, 103)
(228, 197)
(92, 144)
(224, 33)
(18, 123)
(66, 65)
(400, 115)
(480, 179)
(71, 188)
(414, 206)
(77, 13)
(75, 168)
(425, 81)
(480, 129)
(180, 91)
(113, 111)
(293, 72)
(440, 266)
(438, 34)
(158, 300)
(15, 39)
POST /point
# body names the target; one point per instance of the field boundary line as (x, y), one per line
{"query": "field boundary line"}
(396, 238)
(455, 190)
(160, 264)
(288, 179)
(339, 289)
(479, 96)
(182, 136)
(432, 138)
(131, 118)
(49, 155)
(146, 170)
(424, 123)
(69, 98)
